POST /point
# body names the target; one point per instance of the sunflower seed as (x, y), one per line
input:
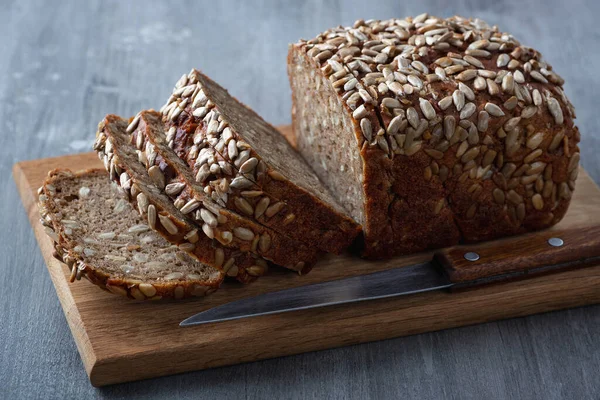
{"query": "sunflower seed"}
(131, 127)
(488, 158)
(249, 165)
(537, 97)
(157, 176)
(168, 224)
(511, 103)
(574, 162)
(537, 201)
(243, 206)
(462, 148)
(173, 189)
(467, 91)
(208, 231)
(458, 98)
(243, 233)
(498, 196)
(387, 102)
(365, 127)
(508, 83)
(241, 182)
(538, 77)
(493, 110)
(493, 88)
(412, 117)
(261, 207)
(230, 269)
(468, 110)
(142, 202)
(435, 154)
(467, 75)
(449, 126)
(140, 228)
(483, 120)
(209, 218)
(190, 206)
(360, 112)
(394, 125)
(427, 109)
(479, 83)
(555, 110)
(514, 197)
(470, 155)
(511, 123)
(528, 112)
(274, 209)
(445, 102)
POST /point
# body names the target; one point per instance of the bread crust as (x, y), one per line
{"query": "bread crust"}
(478, 138)
(130, 288)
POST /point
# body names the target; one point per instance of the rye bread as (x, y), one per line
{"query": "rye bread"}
(453, 130)
(103, 239)
(201, 114)
(175, 178)
(121, 161)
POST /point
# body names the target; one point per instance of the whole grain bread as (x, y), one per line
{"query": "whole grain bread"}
(102, 238)
(449, 130)
(292, 200)
(172, 175)
(121, 161)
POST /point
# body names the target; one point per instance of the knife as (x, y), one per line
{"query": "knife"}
(456, 268)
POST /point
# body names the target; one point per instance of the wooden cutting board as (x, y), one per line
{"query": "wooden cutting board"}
(121, 340)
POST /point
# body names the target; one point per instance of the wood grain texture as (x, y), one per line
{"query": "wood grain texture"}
(143, 340)
(65, 65)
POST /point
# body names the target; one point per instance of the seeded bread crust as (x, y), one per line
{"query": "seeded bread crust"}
(121, 161)
(465, 135)
(169, 171)
(66, 246)
(204, 114)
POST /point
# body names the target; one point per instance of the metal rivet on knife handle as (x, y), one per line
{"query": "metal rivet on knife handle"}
(556, 242)
(471, 256)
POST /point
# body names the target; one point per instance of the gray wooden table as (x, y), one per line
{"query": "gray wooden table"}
(62, 67)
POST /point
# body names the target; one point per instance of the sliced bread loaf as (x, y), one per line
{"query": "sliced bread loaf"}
(454, 131)
(203, 114)
(102, 238)
(121, 160)
(175, 178)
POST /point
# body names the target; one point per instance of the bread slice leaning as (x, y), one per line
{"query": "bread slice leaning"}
(102, 238)
(204, 115)
(121, 161)
(224, 225)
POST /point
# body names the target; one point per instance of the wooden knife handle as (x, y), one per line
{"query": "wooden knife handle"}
(520, 257)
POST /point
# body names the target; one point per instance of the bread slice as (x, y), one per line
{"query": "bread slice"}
(121, 160)
(203, 114)
(102, 238)
(229, 228)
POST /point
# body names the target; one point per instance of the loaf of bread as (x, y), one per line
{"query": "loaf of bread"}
(214, 133)
(102, 238)
(411, 134)
(433, 131)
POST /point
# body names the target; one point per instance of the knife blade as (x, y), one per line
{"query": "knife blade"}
(458, 267)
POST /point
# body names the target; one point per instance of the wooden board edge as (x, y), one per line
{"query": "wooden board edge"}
(55, 269)
(582, 291)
